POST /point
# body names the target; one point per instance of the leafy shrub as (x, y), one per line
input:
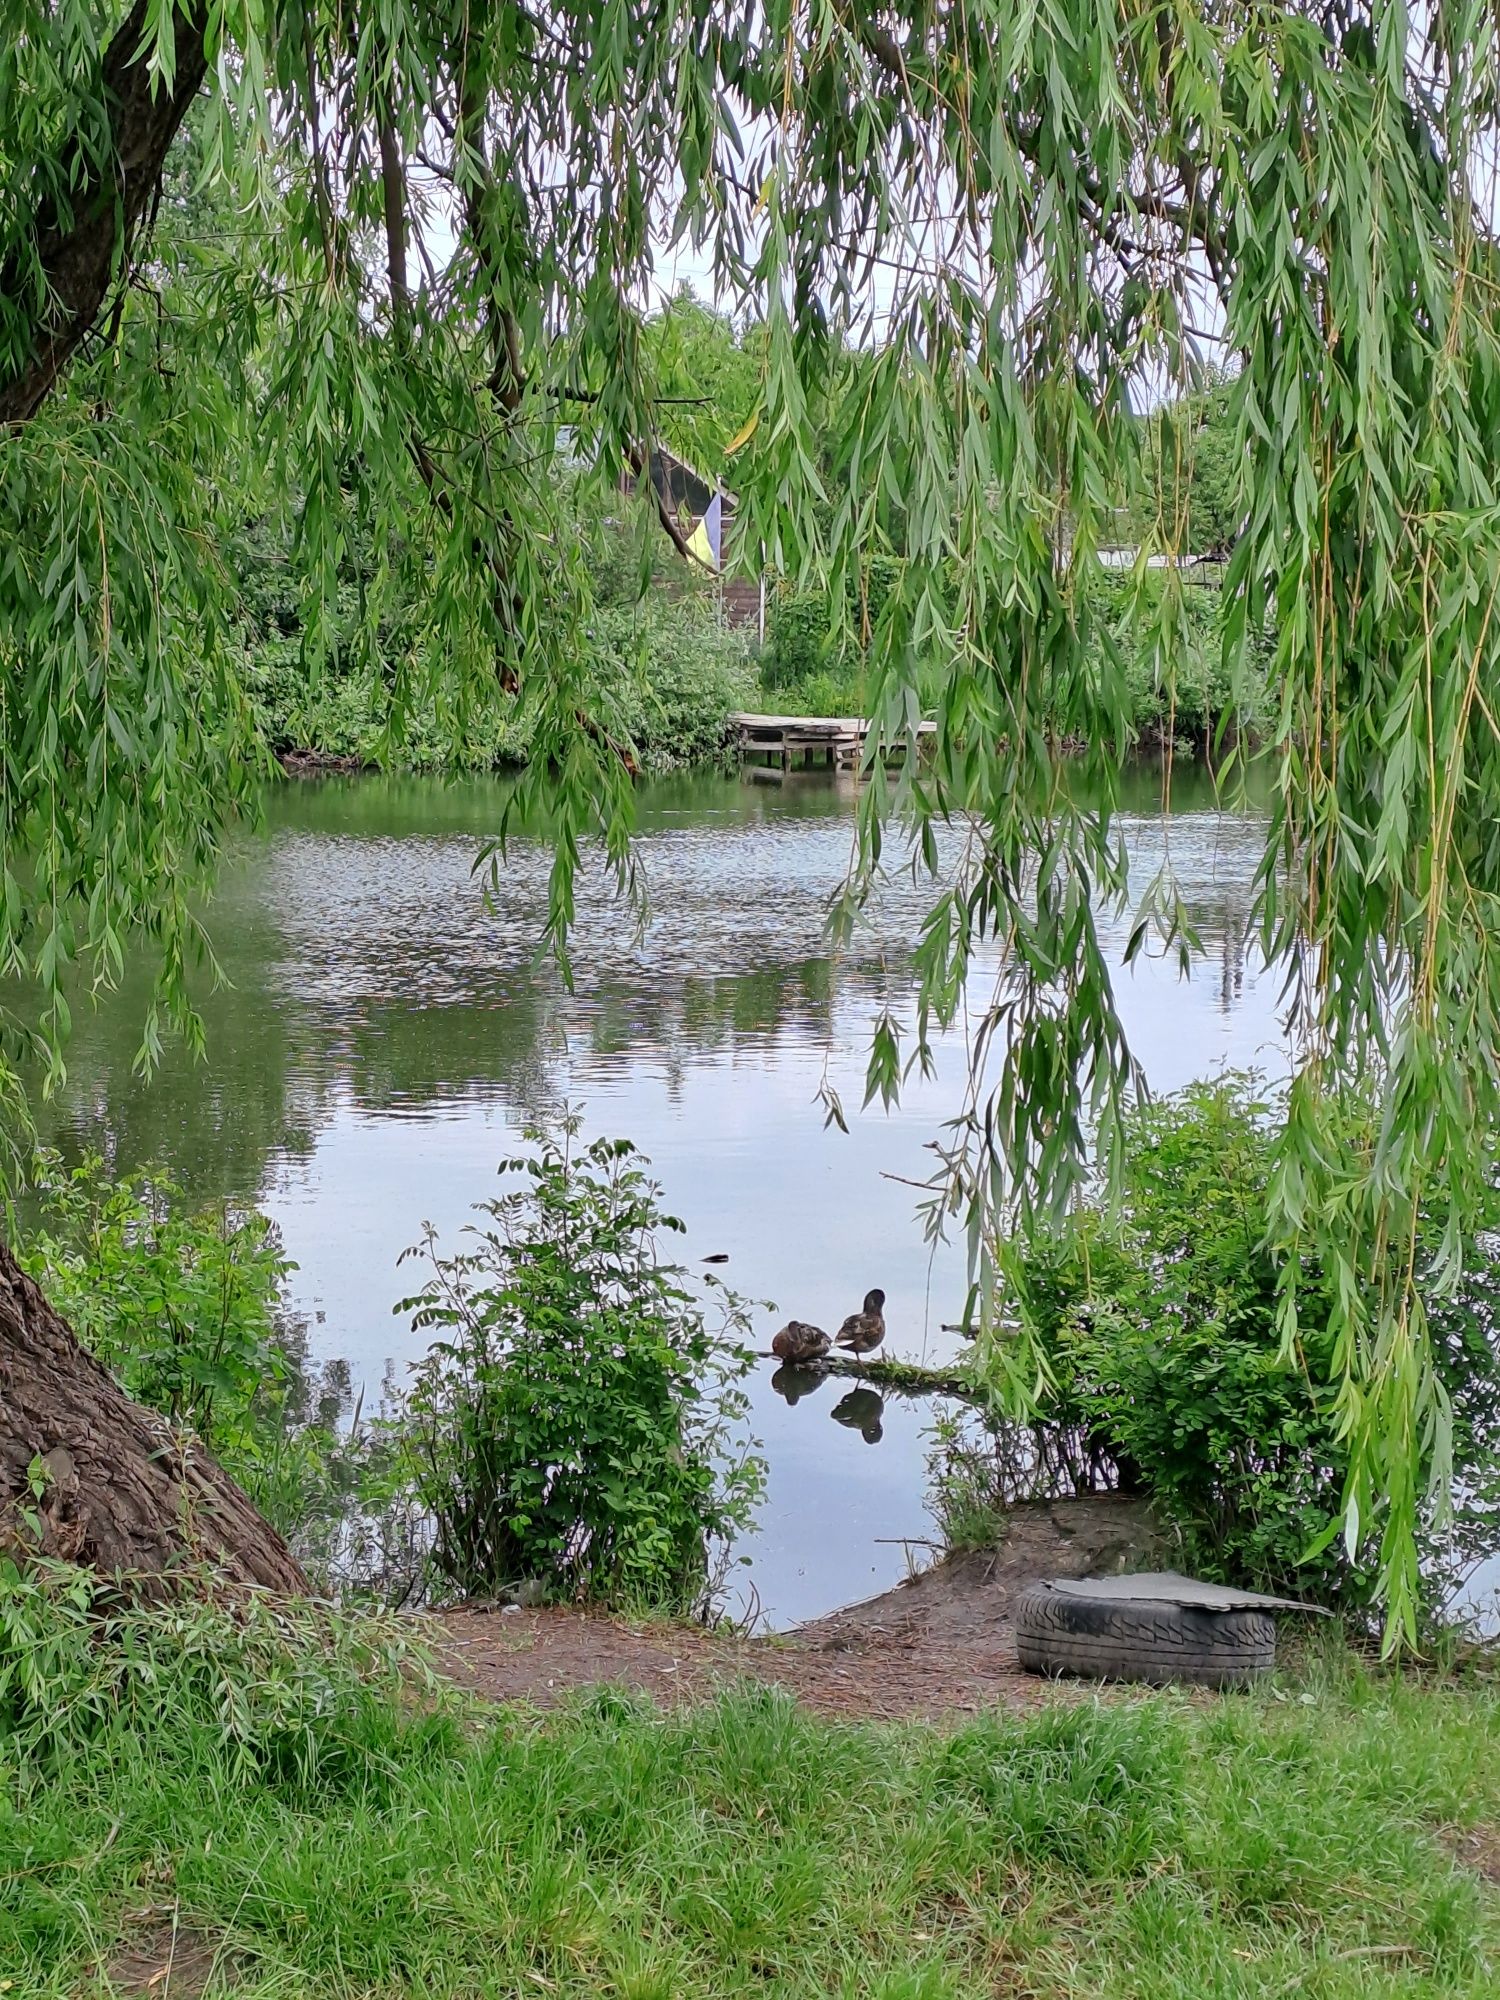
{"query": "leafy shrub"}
(1166, 632)
(667, 666)
(832, 690)
(574, 1420)
(1192, 470)
(179, 1303)
(1159, 1328)
(340, 710)
(800, 649)
(681, 673)
(186, 1307)
(1176, 678)
(798, 644)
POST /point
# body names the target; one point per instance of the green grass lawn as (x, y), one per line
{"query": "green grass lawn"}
(331, 1837)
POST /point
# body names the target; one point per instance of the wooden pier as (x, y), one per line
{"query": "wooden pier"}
(837, 740)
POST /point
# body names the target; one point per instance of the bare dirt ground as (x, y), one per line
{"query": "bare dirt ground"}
(1477, 1847)
(160, 1961)
(938, 1645)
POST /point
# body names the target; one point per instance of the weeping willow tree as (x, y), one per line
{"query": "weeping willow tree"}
(434, 230)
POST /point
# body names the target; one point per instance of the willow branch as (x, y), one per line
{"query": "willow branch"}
(393, 198)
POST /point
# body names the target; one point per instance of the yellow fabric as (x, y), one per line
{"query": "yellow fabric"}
(701, 547)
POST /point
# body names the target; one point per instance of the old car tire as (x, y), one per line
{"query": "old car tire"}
(1114, 1639)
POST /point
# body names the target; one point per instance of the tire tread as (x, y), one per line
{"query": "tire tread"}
(1108, 1638)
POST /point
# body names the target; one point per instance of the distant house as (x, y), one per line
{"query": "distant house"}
(685, 490)
(686, 493)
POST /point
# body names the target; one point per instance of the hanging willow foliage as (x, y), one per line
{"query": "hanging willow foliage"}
(975, 234)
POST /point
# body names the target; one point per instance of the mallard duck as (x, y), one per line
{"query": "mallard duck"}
(800, 1343)
(862, 1332)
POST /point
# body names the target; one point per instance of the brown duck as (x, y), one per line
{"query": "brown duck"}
(862, 1332)
(800, 1343)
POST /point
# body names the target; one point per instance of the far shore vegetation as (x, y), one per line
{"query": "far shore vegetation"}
(677, 665)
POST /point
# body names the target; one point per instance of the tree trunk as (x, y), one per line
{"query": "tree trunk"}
(82, 240)
(119, 1491)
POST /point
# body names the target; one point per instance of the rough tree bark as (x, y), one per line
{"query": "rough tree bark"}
(119, 1491)
(82, 245)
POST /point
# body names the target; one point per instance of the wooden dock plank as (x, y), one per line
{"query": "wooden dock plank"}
(850, 725)
(840, 737)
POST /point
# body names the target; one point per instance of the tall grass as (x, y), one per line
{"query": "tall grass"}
(372, 1842)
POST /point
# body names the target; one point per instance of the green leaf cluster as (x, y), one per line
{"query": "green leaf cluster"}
(1157, 1327)
(676, 670)
(187, 1308)
(576, 1422)
(180, 1304)
(684, 673)
(1190, 477)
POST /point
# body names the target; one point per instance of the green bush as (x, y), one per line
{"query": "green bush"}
(186, 1307)
(680, 673)
(1175, 673)
(574, 1421)
(797, 638)
(575, 1426)
(1166, 632)
(799, 646)
(669, 671)
(179, 1303)
(832, 690)
(1158, 1326)
(1192, 471)
(340, 711)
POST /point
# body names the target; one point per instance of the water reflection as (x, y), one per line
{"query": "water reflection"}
(793, 1384)
(861, 1410)
(387, 1029)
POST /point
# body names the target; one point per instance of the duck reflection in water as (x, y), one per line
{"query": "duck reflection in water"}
(793, 1383)
(861, 1410)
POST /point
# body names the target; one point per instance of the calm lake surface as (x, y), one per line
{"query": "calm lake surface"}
(386, 1035)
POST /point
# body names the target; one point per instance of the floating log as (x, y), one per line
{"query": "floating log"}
(907, 1376)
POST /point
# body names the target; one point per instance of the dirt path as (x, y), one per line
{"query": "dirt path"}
(937, 1645)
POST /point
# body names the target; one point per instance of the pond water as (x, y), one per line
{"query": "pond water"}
(386, 1033)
